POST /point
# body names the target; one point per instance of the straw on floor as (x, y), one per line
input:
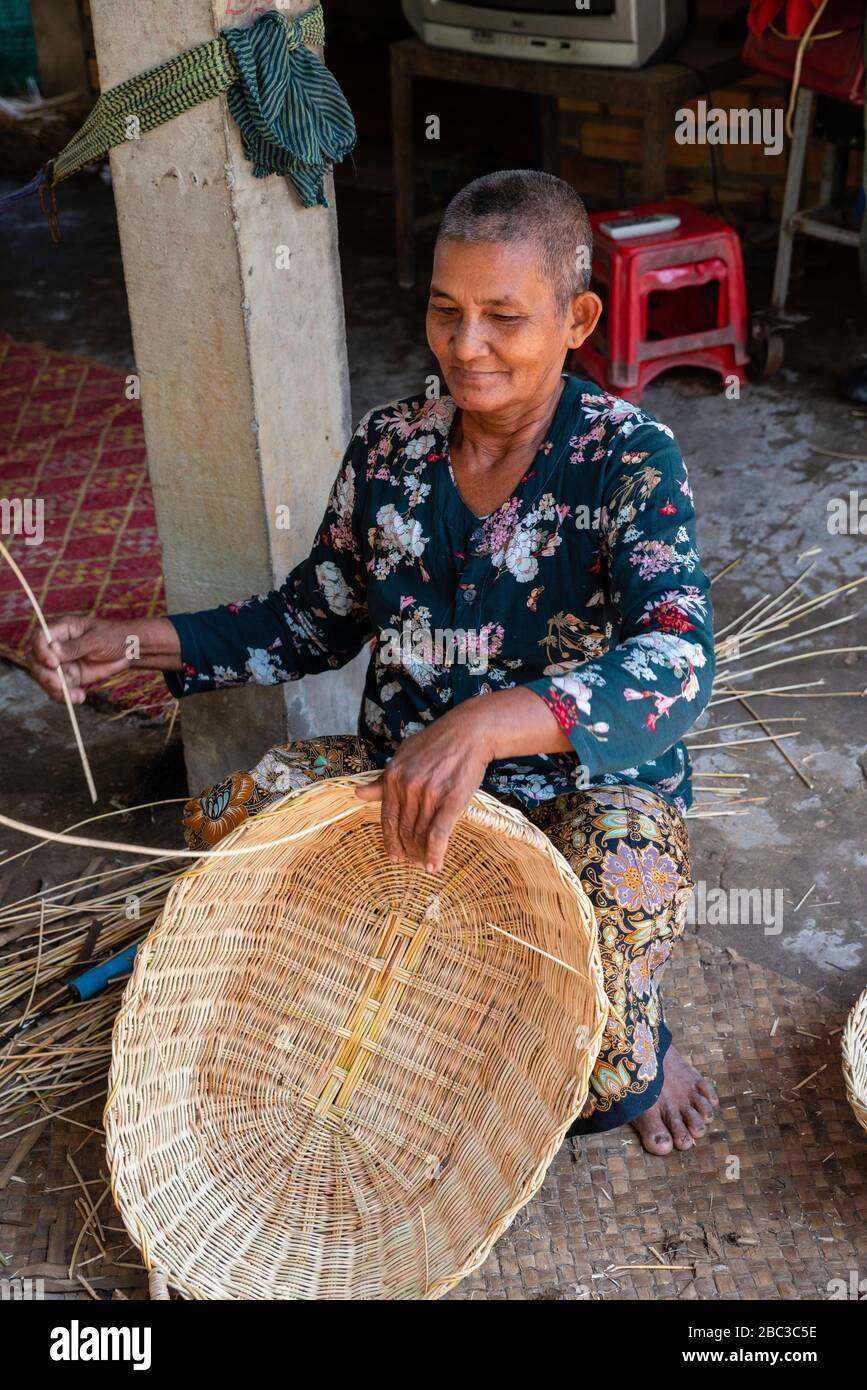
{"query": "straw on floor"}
(338, 1077)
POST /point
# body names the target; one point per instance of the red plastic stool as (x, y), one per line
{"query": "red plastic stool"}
(677, 298)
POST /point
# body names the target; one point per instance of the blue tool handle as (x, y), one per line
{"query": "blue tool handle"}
(93, 981)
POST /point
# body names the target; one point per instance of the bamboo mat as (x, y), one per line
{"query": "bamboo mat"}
(793, 1220)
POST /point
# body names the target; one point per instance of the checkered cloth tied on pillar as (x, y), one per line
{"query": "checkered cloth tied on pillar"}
(293, 117)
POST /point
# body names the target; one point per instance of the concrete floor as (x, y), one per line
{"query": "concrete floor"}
(762, 484)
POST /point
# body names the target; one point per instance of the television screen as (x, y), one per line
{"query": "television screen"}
(548, 7)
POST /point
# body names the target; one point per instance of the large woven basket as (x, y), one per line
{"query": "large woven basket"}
(855, 1059)
(337, 1077)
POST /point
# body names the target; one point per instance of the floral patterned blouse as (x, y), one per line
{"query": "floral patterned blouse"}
(585, 586)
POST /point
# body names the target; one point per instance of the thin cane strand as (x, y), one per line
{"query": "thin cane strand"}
(34, 602)
(121, 847)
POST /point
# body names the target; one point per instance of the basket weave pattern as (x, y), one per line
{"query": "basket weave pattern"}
(855, 1059)
(337, 1077)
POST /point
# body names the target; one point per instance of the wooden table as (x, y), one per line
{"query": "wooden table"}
(658, 90)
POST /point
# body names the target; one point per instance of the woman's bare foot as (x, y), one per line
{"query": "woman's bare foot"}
(686, 1104)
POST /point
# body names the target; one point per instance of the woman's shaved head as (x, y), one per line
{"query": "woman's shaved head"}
(540, 210)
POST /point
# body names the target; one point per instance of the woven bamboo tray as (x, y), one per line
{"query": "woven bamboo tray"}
(337, 1077)
(855, 1059)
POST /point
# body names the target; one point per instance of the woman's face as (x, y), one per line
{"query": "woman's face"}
(494, 326)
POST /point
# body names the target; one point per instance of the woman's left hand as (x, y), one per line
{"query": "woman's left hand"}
(430, 781)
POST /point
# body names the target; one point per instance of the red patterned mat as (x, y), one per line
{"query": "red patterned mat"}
(72, 446)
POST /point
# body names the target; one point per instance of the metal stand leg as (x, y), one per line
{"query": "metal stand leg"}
(791, 198)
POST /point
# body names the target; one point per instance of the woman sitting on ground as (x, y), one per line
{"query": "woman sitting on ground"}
(521, 556)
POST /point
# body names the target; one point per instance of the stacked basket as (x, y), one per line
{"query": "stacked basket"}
(855, 1059)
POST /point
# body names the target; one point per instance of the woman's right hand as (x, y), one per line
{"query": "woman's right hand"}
(92, 649)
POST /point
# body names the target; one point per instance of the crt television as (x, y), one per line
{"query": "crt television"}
(593, 33)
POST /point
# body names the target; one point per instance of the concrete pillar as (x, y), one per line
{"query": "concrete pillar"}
(244, 382)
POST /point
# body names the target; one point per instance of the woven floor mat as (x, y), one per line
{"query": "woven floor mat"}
(793, 1219)
(772, 1204)
(72, 444)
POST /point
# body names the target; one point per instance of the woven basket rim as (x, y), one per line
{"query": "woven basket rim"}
(484, 810)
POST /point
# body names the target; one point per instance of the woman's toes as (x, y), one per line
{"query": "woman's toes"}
(702, 1105)
(683, 1112)
(659, 1141)
(652, 1132)
(677, 1129)
(693, 1121)
(706, 1090)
